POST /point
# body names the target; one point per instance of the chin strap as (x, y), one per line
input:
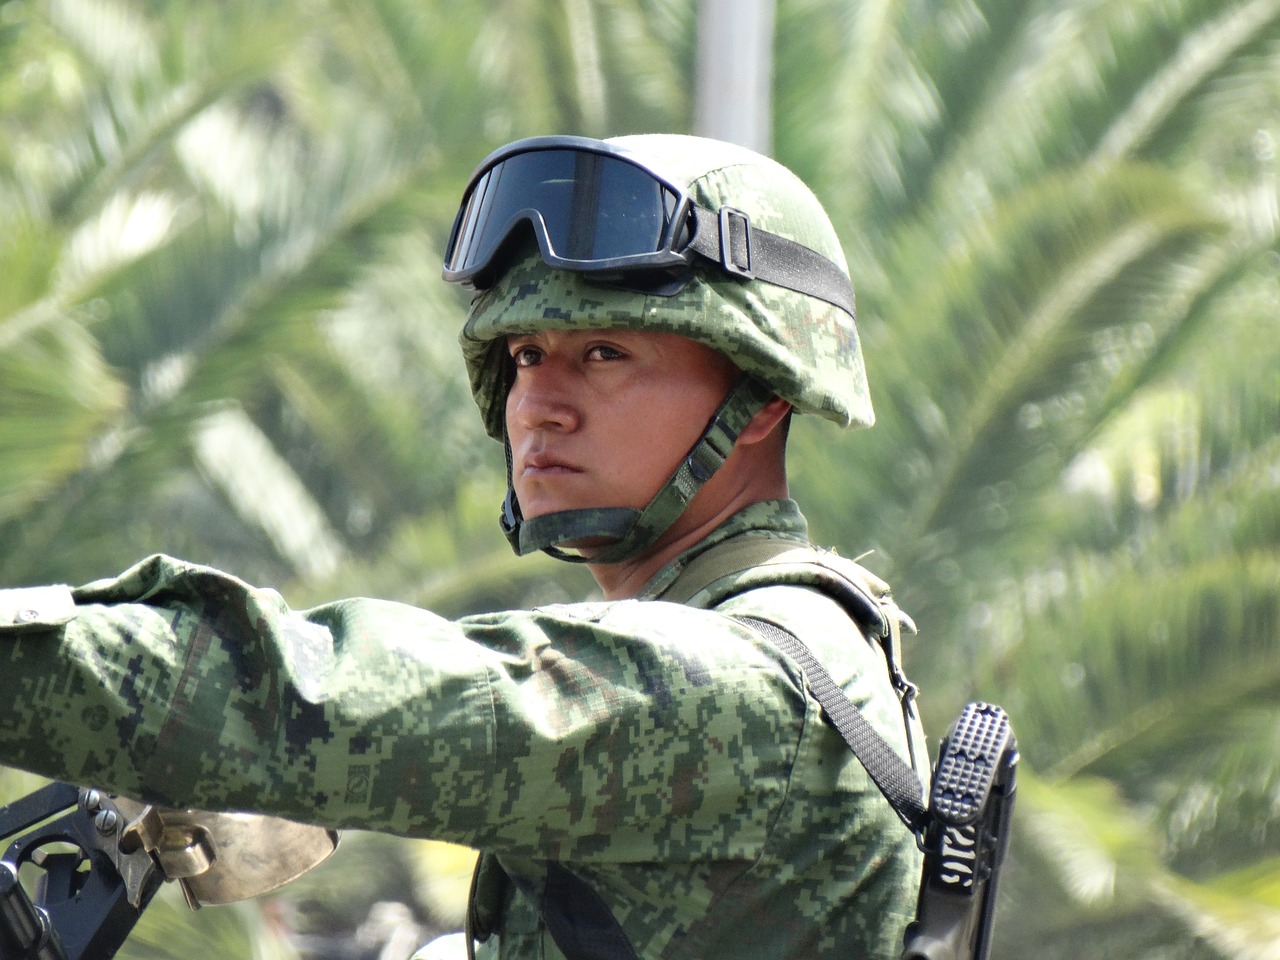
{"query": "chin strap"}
(633, 531)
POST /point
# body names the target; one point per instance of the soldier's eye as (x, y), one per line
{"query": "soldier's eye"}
(525, 356)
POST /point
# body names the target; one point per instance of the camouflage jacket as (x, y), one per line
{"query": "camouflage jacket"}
(664, 757)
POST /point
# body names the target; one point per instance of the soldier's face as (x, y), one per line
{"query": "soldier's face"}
(600, 418)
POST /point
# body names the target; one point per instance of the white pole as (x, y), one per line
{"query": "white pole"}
(734, 72)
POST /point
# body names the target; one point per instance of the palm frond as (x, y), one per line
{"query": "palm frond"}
(1239, 913)
(57, 397)
(1099, 852)
(1203, 50)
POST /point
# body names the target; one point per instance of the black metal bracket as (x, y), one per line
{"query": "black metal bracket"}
(87, 893)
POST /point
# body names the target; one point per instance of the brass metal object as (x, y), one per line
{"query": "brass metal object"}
(223, 857)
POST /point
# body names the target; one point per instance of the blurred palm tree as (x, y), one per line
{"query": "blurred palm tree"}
(222, 335)
(1062, 218)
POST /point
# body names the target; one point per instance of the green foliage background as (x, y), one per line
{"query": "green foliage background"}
(223, 336)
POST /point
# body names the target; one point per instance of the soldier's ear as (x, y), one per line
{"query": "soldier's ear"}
(774, 415)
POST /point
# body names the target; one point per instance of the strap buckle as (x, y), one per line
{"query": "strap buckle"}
(735, 243)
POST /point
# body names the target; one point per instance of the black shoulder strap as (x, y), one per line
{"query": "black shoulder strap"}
(897, 781)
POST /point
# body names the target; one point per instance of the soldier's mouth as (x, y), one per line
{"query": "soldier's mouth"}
(544, 464)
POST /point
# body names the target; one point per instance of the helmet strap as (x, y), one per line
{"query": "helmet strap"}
(634, 531)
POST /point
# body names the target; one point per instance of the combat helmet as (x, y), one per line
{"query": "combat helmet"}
(680, 234)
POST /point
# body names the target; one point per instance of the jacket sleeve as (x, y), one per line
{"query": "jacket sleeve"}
(612, 731)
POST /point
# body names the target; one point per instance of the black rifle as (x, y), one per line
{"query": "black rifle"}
(967, 832)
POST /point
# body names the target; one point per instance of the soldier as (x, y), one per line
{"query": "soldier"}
(647, 775)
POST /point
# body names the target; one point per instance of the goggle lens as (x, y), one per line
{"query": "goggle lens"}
(590, 211)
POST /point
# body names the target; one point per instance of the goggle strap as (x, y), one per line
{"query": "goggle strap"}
(636, 530)
(728, 238)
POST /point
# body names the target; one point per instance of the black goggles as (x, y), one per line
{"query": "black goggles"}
(601, 211)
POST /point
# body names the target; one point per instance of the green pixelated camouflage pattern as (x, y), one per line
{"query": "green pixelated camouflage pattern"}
(668, 755)
(805, 348)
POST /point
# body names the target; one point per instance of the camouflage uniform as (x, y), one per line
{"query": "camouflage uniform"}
(669, 756)
(661, 759)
